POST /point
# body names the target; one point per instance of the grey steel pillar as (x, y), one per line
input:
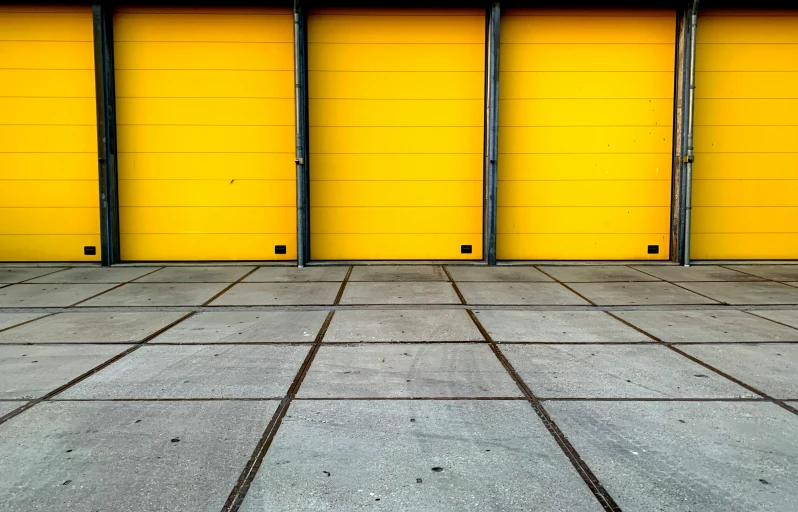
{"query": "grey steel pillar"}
(688, 129)
(103, 19)
(301, 119)
(491, 131)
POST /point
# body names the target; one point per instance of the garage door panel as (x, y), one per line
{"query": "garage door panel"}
(742, 84)
(747, 28)
(206, 139)
(203, 83)
(745, 139)
(586, 84)
(586, 112)
(208, 166)
(746, 246)
(551, 246)
(48, 166)
(241, 220)
(397, 167)
(585, 193)
(50, 193)
(206, 246)
(49, 221)
(610, 27)
(393, 246)
(71, 55)
(207, 193)
(396, 193)
(576, 166)
(736, 166)
(47, 83)
(747, 57)
(361, 112)
(396, 139)
(203, 55)
(206, 111)
(593, 57)
(48, 247)
(741, 220)
(37, 25)
(583, 219)
(747, 112)
(426, 85)
(747, 192)
(220, 27)
(395, 57)
(570, 139)
(48, 139)
(467, 27)
(56, 111)
(386, 219)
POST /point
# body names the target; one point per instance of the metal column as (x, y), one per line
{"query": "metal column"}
(491, 131)
(688, 131)
(103, 20)
(301, 119)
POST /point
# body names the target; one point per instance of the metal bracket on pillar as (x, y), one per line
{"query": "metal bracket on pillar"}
(103, 21)
(491, 131)
(301, 118)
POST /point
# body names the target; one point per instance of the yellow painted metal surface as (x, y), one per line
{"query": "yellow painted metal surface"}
(396, 133)
(586, 134)
(745, 175)
(205, 115)
(49, 196)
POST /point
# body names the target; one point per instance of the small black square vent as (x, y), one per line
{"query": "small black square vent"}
(465, 249)
(653, 249)
(89, 250)
(279, 249)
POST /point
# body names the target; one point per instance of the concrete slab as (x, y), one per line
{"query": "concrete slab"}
(556, 327)
(158, 294)
(32, 372)
(8, 320)
(772, 369)
(595, 273)
(397, 273)
(512, 274)
(553, 294)
(293, 274)
(82, 327)
(48, 295)
(7, 407)
(399, 293)
(678, 273)
(785, 316)
(17, 274)
(644, 294)
(95, 275)
(616, 371)
(278, 294)
(746, 293)
(239, 371)
(402, 325)
(196, 275)
(446, 370)
(774, 272)
(707, 325)
(128, 457)
(246, 327)
(491, 455)
(687, 456)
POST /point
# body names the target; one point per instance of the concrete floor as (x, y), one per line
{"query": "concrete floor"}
(401, 388)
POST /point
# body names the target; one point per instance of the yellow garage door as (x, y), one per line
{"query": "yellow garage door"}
(745, 176)
(49, 197)
(396, 134)
(585, 137)
(205, 121)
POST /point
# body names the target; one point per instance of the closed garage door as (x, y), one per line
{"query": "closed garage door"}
(585, 137)
(49, 195)
(745, 176)
(206, 134)
(396, 134)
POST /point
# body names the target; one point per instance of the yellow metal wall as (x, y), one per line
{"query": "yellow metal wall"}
(396, 133)
(585, 137)
(205, 115)
(745, 175)
(49, 198)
